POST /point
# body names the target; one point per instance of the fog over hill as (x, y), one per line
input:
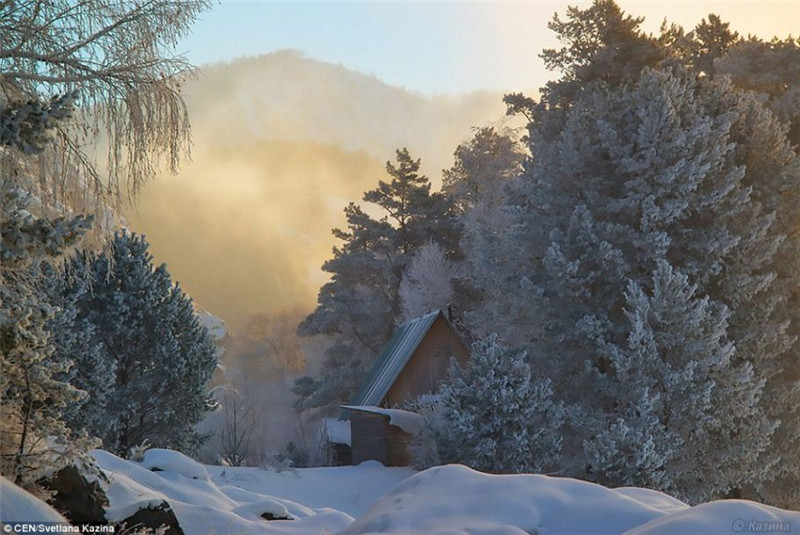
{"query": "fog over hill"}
(281, 144)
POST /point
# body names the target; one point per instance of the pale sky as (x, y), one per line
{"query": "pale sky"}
(441, 47)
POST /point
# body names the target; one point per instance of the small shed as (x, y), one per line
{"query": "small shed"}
(414, 363)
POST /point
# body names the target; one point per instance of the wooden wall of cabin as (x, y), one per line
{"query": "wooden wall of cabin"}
(374, 439)
(428, 366)
(368, 437)
(397, 441)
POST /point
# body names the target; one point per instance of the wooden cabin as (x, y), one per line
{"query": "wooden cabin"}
(414, 363)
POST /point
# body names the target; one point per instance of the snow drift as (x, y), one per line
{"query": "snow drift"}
(445, 500)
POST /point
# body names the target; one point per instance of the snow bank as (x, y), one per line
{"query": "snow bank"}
(350, 489)
(235, 500)
(410, 422)
(445, 500)
(455, 500)
(653, 498)
(172, 461)
(17, 505)
(728, 516)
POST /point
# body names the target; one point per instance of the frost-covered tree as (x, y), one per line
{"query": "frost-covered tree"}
(361, 304)
(33, 392)
(770, 68)
(480, 169)
(607, 194)
(477, 183)
(685, 415)
(117, 59)
(75, 345)
(600, 43)
(495, 416)
(426, 285)
(669, 168)
(161, 354)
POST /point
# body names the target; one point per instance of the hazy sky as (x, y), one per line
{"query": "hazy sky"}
(441, 47)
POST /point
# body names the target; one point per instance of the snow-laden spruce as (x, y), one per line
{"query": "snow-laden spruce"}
(494, 416)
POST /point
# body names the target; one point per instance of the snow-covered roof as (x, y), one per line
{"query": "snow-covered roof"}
(410, 422)
(215, 326)
(393, 359)
(338, 431)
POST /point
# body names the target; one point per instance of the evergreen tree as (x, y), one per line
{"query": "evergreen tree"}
(495, 417)
(481, 167)
(686, 418)
(33, 393)
(161, 355)
(76, 345)
(746, 262)
(361, 304)
(668, 168)
(772, 69)
(477, 183)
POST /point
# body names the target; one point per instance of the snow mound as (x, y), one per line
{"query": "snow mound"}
(17, 505)
(172, 461)
(725, 516)
(349, 489)
(445, 500)
(202, 506)
(653, 498)
(456, 500)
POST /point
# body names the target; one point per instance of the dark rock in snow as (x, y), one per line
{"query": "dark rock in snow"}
(79, 500)
(271, 516)
(153, 517)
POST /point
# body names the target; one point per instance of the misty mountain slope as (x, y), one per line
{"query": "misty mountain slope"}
(281, 145)
(285, 96)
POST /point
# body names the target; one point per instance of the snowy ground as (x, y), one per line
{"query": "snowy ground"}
(367, 499)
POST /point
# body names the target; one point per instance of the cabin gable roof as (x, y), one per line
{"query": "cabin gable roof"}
(394, 358)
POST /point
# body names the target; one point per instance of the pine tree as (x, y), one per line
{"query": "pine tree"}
(478, 184)
(481, 168)
(361, 304)
(76, 345)
(161, 354)
(495, 416)
(686, 416)
(725, 215)
(772, 69)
